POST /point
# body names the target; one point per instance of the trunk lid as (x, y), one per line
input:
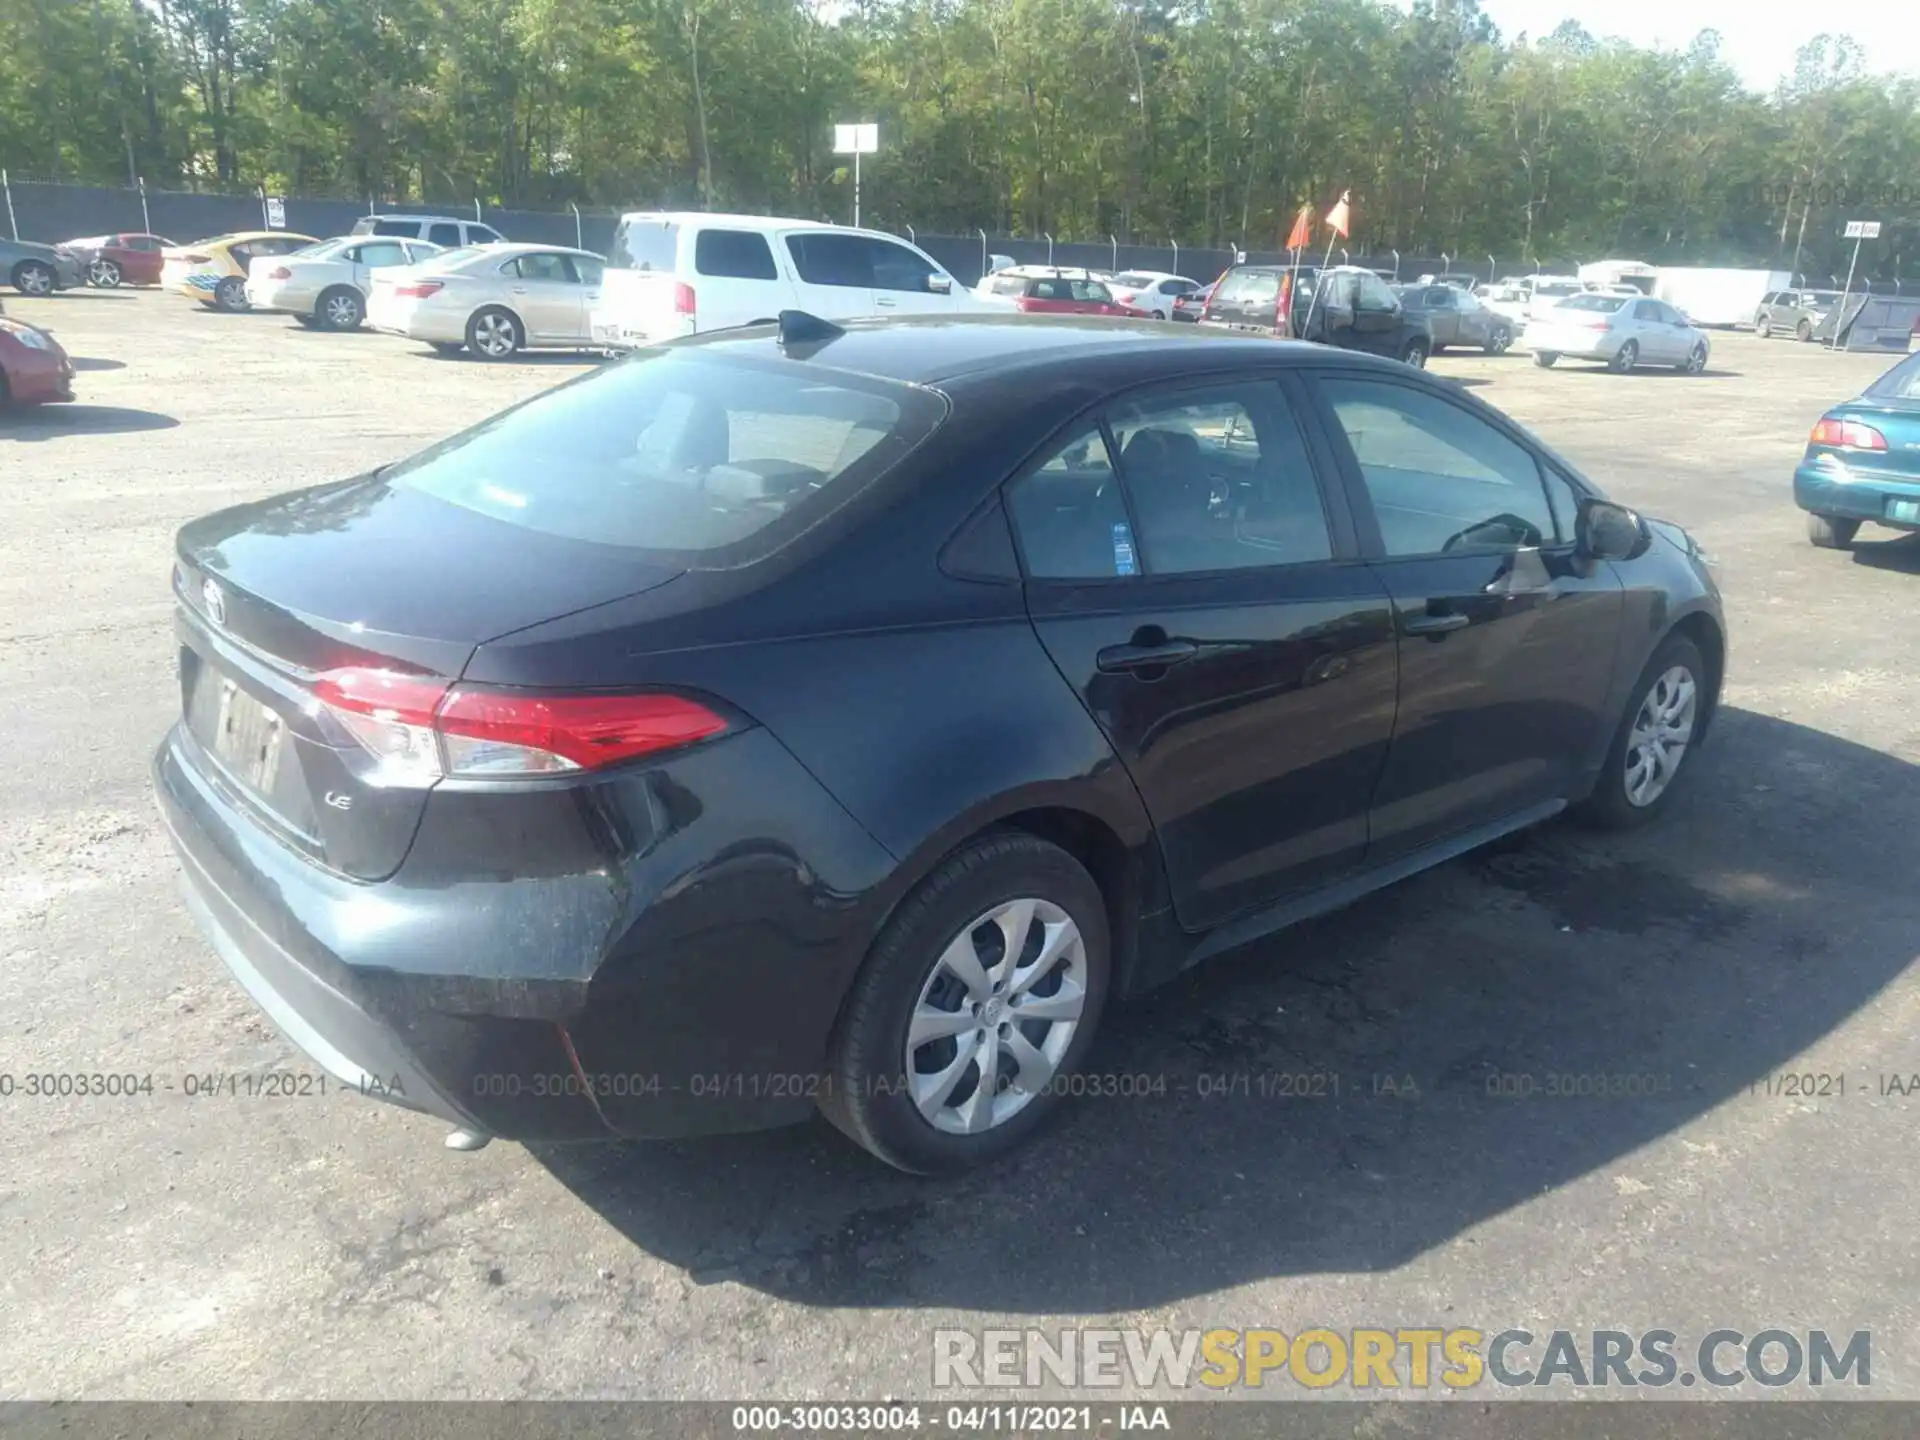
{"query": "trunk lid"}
(272, 596)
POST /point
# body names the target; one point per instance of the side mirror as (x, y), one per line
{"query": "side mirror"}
(1606, 531)
(940, 284)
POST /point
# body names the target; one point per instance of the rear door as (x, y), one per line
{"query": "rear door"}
(1651, 332)
(547, 293)
(1442, 313)
(1505, 639)
(735, 278)
(1195, 585)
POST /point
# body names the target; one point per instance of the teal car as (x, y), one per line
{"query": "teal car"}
(1863, 461)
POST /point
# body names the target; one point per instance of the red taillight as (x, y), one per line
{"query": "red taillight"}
(421, 731)
(1847, 435)
(682, 298)
(420, 289)
(280, 272)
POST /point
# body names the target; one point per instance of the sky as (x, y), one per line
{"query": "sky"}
(1758, 40)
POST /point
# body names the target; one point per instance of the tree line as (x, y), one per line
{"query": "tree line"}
(1205, 121)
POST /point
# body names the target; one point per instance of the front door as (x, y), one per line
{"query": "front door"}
(833, 274)
(1190, 580)
(1504, 636)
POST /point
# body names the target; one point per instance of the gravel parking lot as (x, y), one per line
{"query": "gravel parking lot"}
(226, 1244)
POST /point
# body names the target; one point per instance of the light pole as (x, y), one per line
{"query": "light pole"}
(856, 140)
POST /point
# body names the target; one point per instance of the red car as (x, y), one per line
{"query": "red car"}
(111, 260)
(1060, 292)
(34, 370)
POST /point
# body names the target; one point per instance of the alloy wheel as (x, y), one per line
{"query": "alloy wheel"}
(494, 335)
(996, 1016)
(342, 312)
(103, 274)
(34, 280)
(1697, 361)
(1662, 731)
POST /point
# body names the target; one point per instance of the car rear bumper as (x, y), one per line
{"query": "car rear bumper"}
(1575, 344)
(1852, 494)
(657, 965)
(266, 295)
(432, 326)
(612, 331)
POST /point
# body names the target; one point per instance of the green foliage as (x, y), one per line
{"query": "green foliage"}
(1208, 121)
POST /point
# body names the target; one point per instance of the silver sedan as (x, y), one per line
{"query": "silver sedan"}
(1619, 330)
(492, 301)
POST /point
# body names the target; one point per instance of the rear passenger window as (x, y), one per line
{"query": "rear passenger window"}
(381, 253)
(447, 235)
(736, 254)
(408, 228)
(1441, 479)
(1069, 516)
(1219, 480)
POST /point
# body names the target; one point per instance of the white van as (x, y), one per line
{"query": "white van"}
(674, 273)
(446, 231)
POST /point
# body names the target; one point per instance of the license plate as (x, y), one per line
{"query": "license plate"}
(1907, 511)
(246, 737)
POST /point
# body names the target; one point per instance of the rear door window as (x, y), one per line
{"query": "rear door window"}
(645, 245)
(826, 258)
(735, 254)
(1090, 292)
(408, 228)
(701, 460)
(378, 253)
(1069, 514)
(442, 234)
(544, 265)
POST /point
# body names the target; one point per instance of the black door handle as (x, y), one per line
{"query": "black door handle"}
(1434, 624)
(1118, 658)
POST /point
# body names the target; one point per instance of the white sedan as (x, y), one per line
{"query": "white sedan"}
(327, 284)
(1621, 331)
(1153, 290)
(493, 300)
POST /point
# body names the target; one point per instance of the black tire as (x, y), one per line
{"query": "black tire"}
(340, 308)
(6, 394)
(1762, 327)
(1625, 358)
(230, 295)
(1831, 532)
(486, 330)
(1803, 331)
(1696, 361)
(446, 347)
(31, 277)
(1608, 807)
(866, 1094)
(104, 274)
(1500, 341)
(1415, 354)
(306, 322)
(1545, 358)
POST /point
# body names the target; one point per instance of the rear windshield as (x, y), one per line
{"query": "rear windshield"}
(712, 461)
(1009, 285)
(1600, 304)
(1133, 281)
(644, 245)
(1558, 287)
(1902, 382)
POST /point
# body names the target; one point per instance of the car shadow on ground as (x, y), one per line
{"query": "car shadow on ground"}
(559, 358)
(1688, 960)
(86, 363)
(1901, 553)
(54, 422)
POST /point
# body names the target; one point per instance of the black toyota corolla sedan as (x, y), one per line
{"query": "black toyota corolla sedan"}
(812, 717)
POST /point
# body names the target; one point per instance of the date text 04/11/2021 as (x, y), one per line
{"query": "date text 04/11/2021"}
(988, 1419)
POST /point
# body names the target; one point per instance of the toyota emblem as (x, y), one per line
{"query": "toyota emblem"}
(215, 602)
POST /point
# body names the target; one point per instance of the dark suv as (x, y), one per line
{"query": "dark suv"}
(1343, 305)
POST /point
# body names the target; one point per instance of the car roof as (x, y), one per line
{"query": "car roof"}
(931, 350)
(239, 235)
(411, 215)
(714, 218)
(517, 247)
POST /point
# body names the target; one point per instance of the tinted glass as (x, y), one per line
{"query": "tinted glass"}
(543, 265)
(591, 272)
(829, 259)
(1440, 297)
(1069, 516)
(1555, 288)
(409, 228)
(480, 234)
(1902, 382)
(444, 234)
(1599, 304)
(740, 254)
(644, 245)
(1564, 500)
(1219, 480)
(897, 268)
(379, 253)
(1090, 292)
(1440, 478)
(1647, 310)
(1134, 281)
(678, 452)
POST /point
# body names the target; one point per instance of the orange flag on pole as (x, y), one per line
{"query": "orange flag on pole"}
(1301, 235)
(1337, 217)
